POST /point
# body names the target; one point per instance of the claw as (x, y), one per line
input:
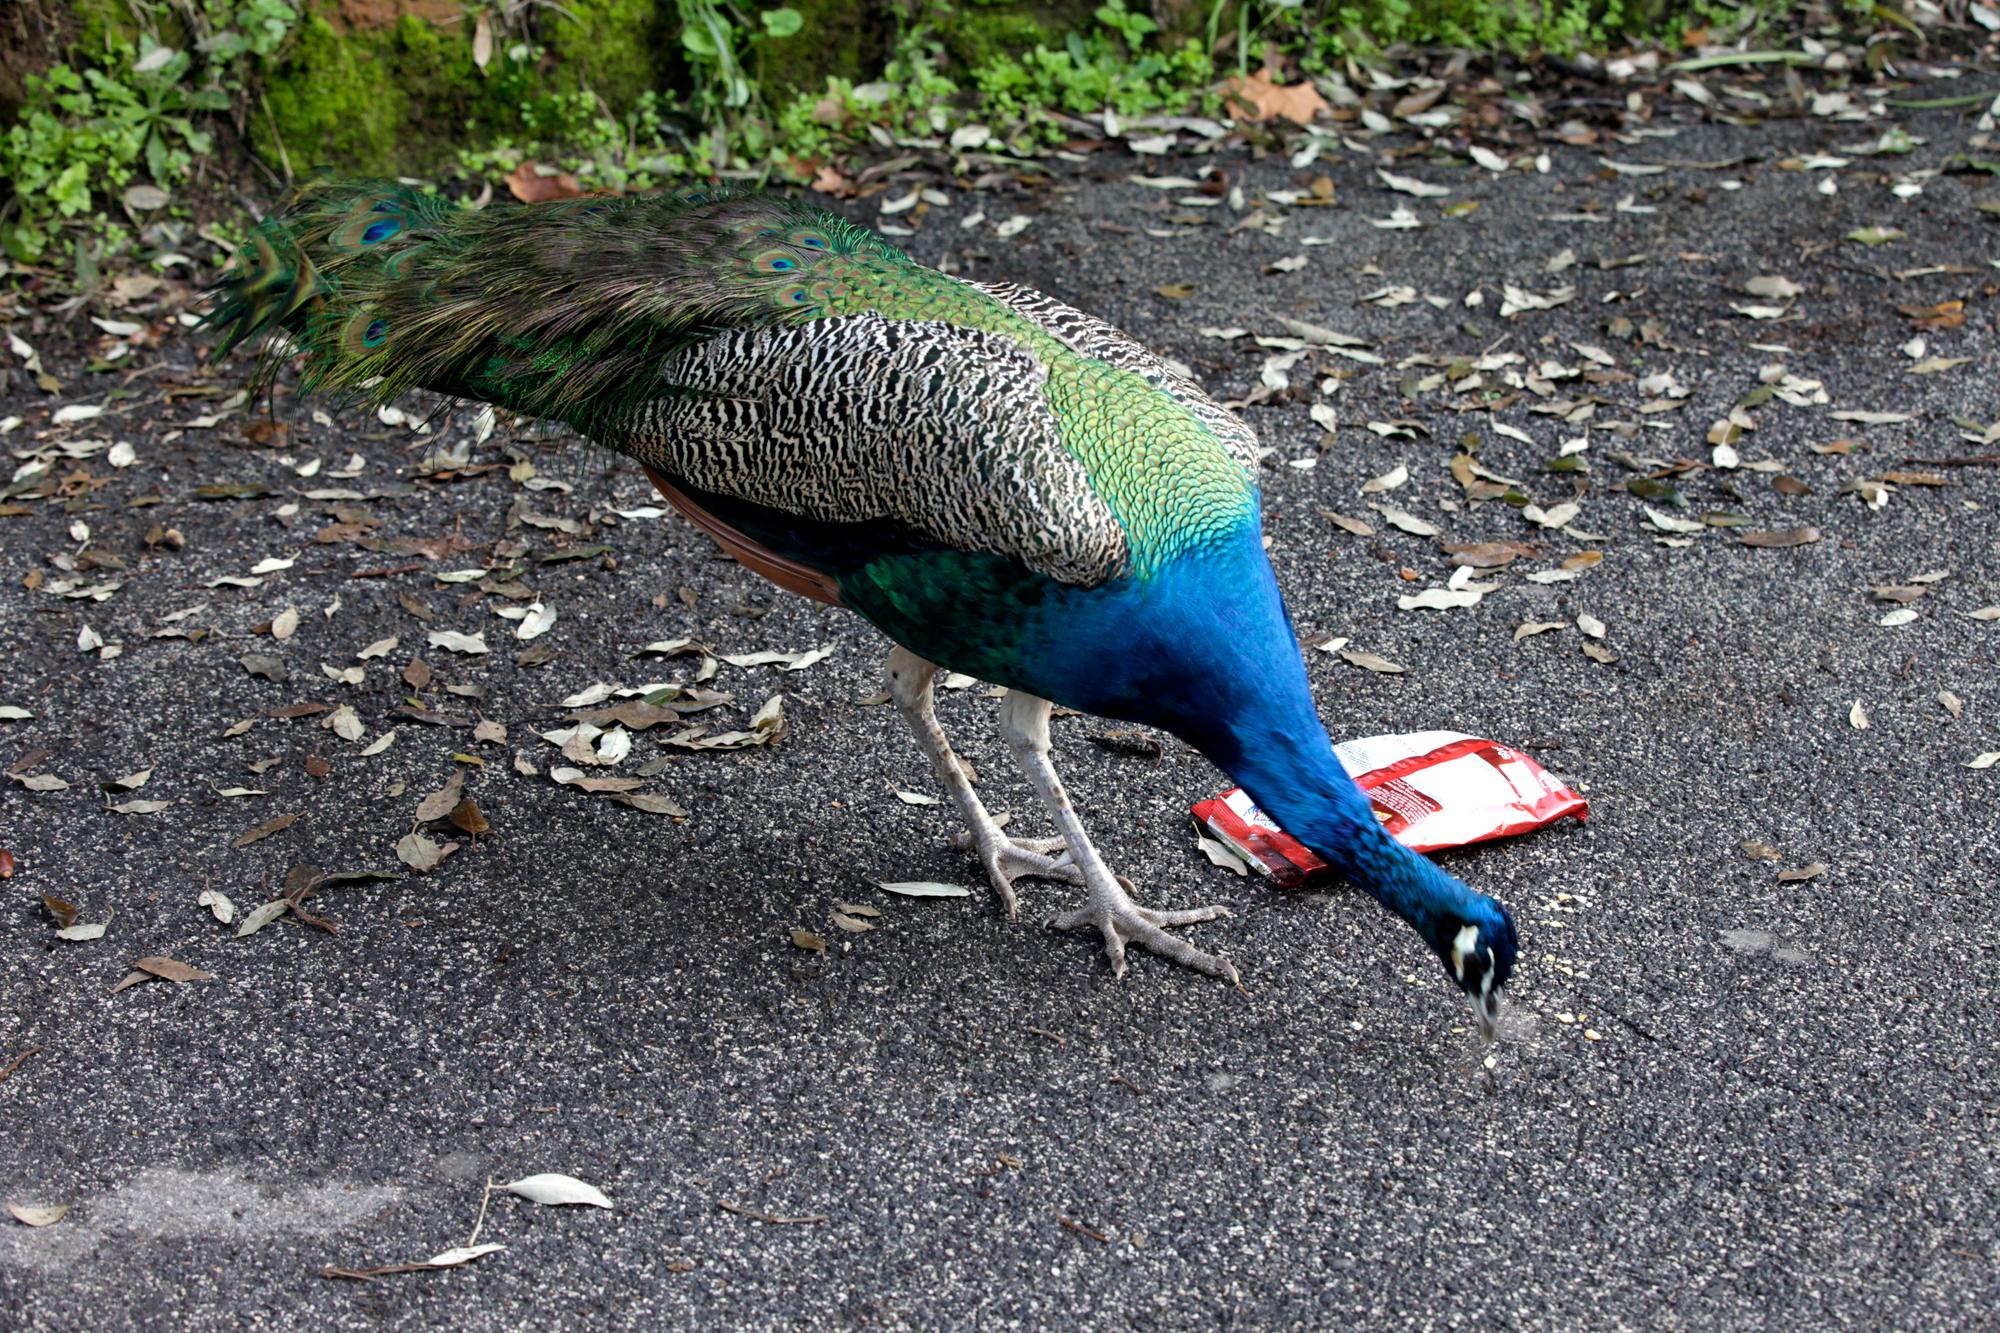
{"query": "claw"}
(1123, 922)
(1008, 859)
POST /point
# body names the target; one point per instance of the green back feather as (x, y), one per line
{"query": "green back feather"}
(568, 310)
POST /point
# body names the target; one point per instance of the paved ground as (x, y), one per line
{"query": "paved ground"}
(1739, 1101)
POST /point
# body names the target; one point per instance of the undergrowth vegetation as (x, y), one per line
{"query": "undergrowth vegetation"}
(152, 101)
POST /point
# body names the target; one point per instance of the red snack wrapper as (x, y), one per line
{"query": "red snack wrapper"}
(1430, 789)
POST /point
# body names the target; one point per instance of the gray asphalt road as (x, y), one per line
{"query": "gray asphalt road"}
(1737, 1101)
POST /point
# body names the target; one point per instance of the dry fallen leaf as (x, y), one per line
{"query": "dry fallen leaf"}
(1802, 874)
(555, 1189)
(924, 888)
(32, 1216)
(1857, 717)
(1259, 97)
(172, 969)
(1368, 661)
(264, 830)
(532, 184)
(419, 853)
(440, 803)
(1781, 537)
(1221, 854)
(263, 916)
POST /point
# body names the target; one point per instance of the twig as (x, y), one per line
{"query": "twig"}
(484, 1199)
(1120, 1078)
(1082, 1230)
(773, 1218)
(370, 1274)
(17, 1062)
(1055, 1037)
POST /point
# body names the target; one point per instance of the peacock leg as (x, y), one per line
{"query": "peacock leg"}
(1006, 859)
(1024, 721)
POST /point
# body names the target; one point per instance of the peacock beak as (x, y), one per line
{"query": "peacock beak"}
(1486, 1009)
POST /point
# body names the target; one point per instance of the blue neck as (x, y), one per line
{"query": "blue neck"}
(1228, 678)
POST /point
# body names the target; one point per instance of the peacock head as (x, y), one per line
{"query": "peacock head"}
(1477, 946)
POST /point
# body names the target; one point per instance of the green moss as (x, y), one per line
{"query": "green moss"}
(618, 49)
(101, 25)
(840, 39)
(979, 33)
(332, 100)
(388, 100)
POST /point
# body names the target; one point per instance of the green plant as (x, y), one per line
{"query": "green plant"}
(606, 152)
(84, 133)
(1118, 65)
(723, 49)
(86, 130)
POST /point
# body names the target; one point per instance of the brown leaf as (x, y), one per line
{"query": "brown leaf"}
(1802, 874)
(805, 939)
(1786, 484)
(265, 830)
(420, 853)
(829, 180)
(1759, 851)
(1416, 103)
(527, 183)
(417, 675)
(1489, 555)
(1781, 537)
(636, 714)
(440, 803)
(131, 979)
(172, 969)
(267, 434)
(1260, 97)
(317, 767)
(62, 910)
(467, 818)
(653, 803)
(6, 864)
(1944, 315)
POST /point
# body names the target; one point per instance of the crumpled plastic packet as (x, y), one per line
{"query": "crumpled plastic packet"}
(1430, 790)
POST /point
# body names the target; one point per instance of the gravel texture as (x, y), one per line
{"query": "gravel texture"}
(1737, 1102)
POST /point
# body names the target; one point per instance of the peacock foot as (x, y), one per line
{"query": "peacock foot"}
(1123, 922)
(1008, 859)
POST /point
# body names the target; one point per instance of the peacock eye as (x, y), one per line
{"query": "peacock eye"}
(377, 330)
(380, 231)
(810, 240)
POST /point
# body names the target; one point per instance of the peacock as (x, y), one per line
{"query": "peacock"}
(1003, 485)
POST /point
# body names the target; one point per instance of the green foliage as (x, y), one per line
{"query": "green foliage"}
(605, 152)
(1115, 65)
(88, 129)
(632, 93)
